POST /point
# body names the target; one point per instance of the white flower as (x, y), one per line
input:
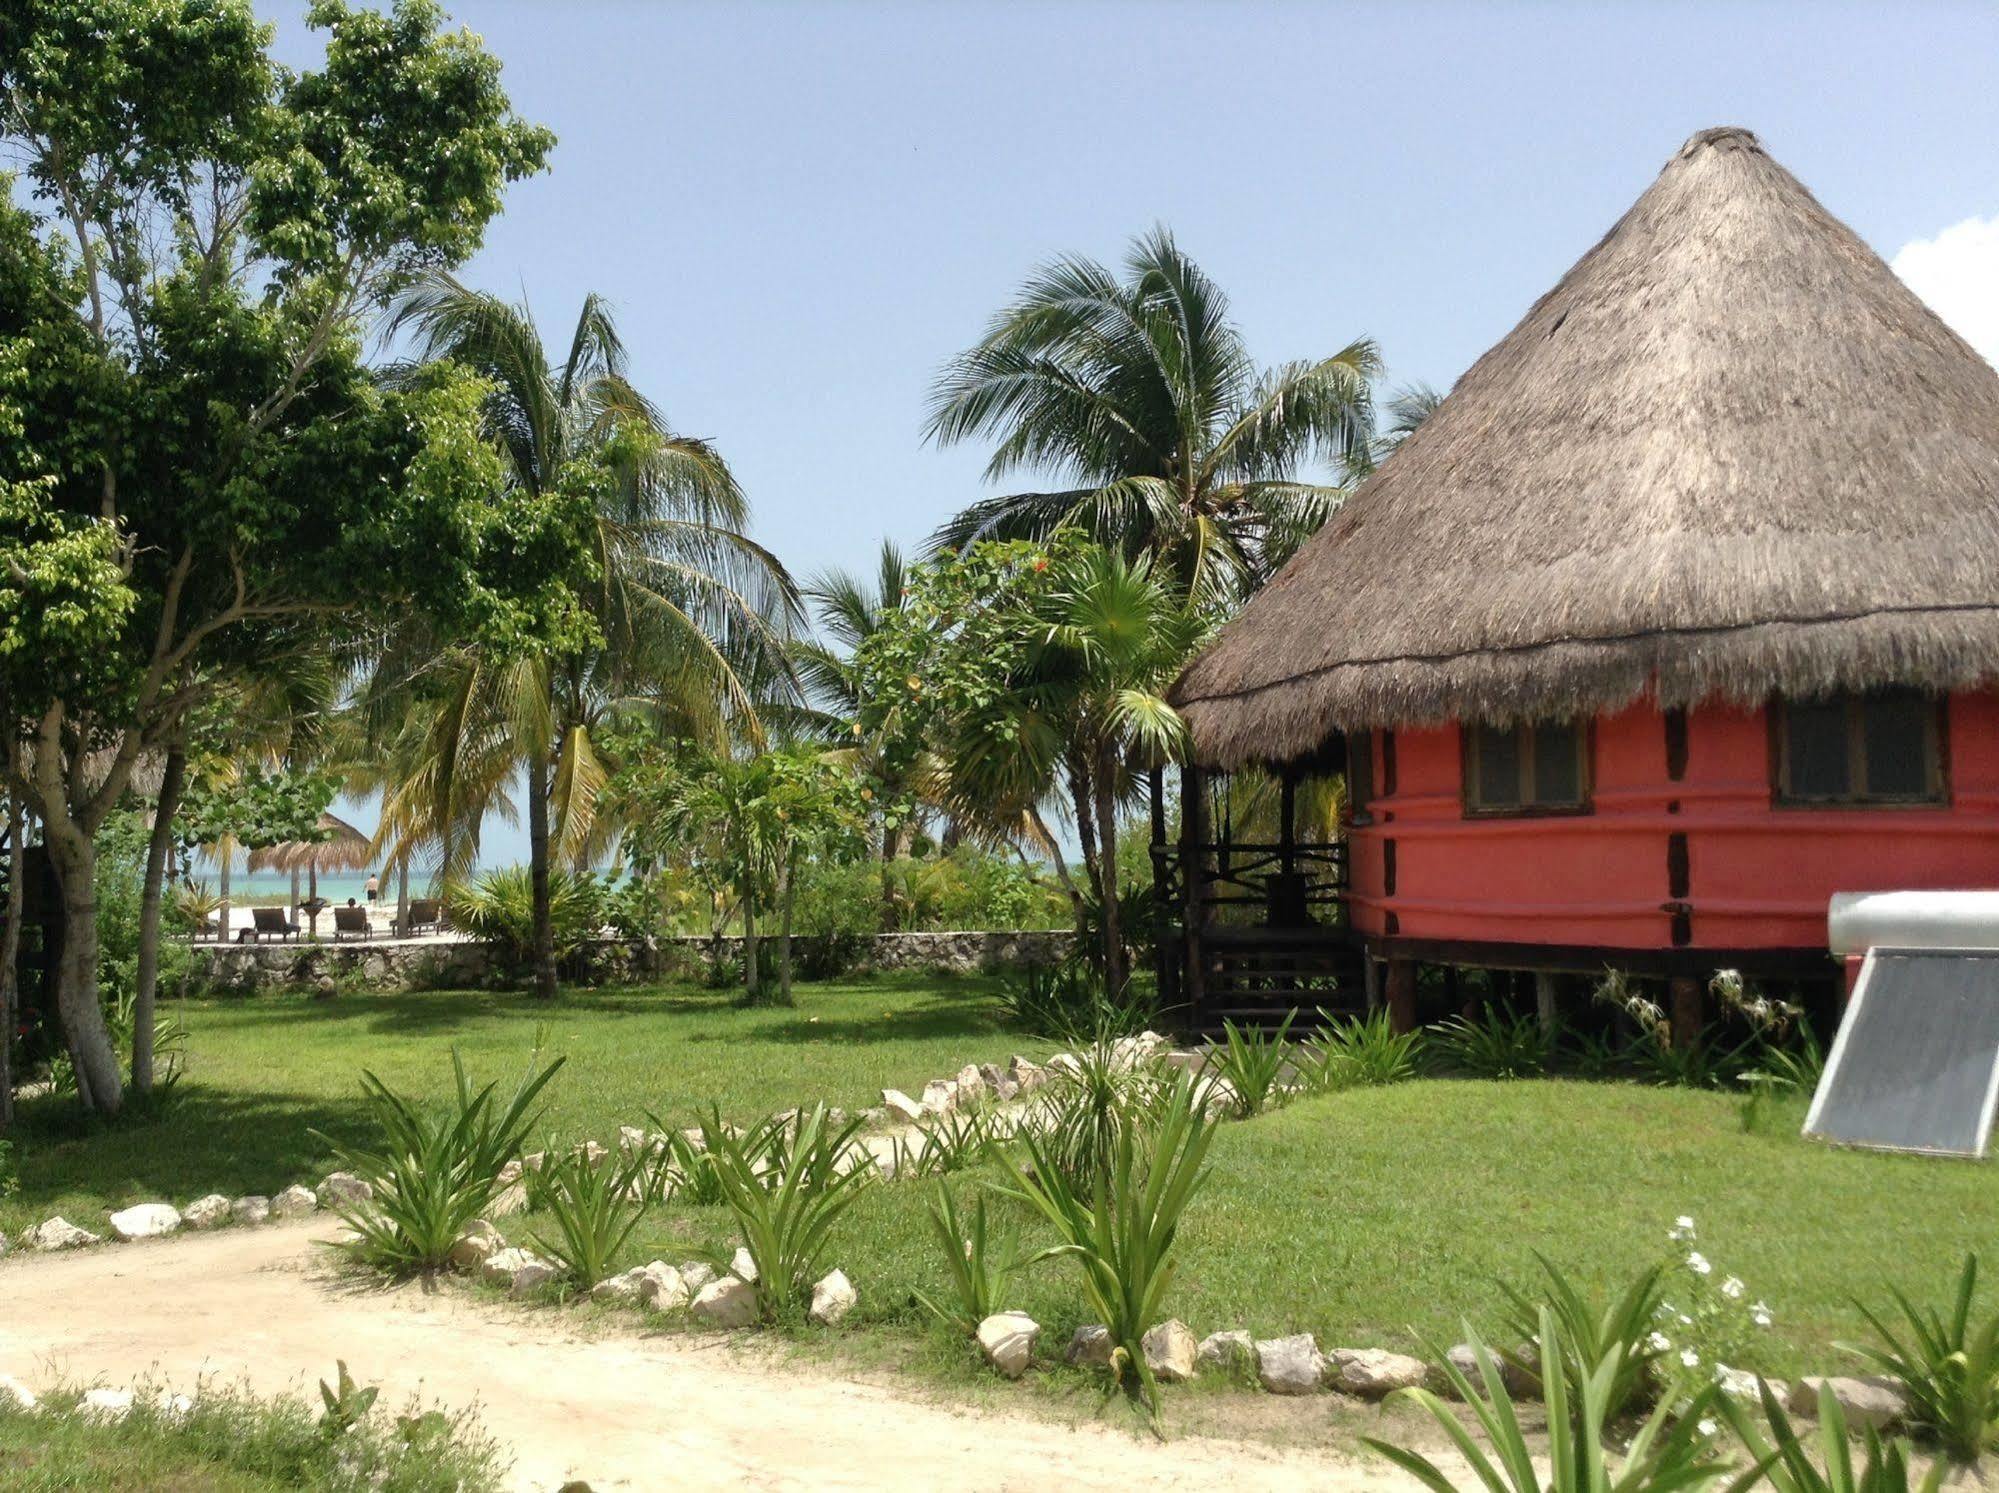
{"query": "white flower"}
(1689, 1358)
(1683, 1229)
(1707, 1427)
(1685, 1320)
(1732, 1289)
(1760, 1315)
(1698, 1263)
(1659, 1342)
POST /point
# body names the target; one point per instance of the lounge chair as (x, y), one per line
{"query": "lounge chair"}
(352, 921)
(423, 915)
(272, 920)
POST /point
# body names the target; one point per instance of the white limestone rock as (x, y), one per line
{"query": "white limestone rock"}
(833, 1296)
(145, 1221)
(1373, 1373)
(206, 1212)
(343, 1187)
(901, 1107)
(1868, 1401)
(998, 1084)
(1288, 1365)
(971, 1085)
(940, 1096)
(532, 1277)
(1169, 1351)
(18, 1395)
(171, 1407)
(502, 1265)
(1025, 1074)
(294, 1202)
(742, 1266)
(1520, 1382)
(619, 1288)
(252, 1209)
(663, 1288)
(105, 1404)
(1007, 1339)
(1226, 1351)
(593, 1154)
(476, 1243)
(57, 1233)
(1089, 1346)
(696, 1274)
(727, 1302)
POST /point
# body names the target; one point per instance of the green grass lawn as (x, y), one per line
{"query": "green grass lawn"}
(1369, 1217)
(263, 1073)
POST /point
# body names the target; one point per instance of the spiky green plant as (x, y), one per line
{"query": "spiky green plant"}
(1789, 1464)
(1359, 1052)
(436, 1169)
(1121, 1226)
(787, 1198)
(1591, 1333)
(1948, 1365)
(980, 1264)
(1250, 1062)
(593, 1209)
(1497, 1045)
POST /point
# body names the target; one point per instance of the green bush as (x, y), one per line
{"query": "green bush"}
(1359, 1052)
(436, 1169)
(593, 1209)
(1250, 1062)
(498, 908)
(1497, 1045)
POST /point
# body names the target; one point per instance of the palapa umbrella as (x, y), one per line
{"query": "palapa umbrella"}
(345, 848)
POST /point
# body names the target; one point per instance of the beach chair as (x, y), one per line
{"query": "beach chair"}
(423, 917)
(351, 922)
(271, 920)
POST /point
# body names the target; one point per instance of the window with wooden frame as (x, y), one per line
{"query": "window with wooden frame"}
(1360, 776)
(1881, 749)
(1536, 767)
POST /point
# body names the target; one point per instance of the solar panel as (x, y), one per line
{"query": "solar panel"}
(1915, 1066)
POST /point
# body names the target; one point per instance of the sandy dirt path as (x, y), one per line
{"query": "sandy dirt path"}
(622, 1410)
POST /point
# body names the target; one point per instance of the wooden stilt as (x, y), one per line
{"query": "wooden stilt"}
(1686, 999)
(1402, 995)
(1547, 992)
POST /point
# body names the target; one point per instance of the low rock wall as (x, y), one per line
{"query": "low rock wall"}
(444, 964)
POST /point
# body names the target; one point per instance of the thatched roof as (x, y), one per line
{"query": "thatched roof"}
(1729, 455)
(347, 850)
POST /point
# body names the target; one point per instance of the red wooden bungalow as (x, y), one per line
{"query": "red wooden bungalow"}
(1680, 614)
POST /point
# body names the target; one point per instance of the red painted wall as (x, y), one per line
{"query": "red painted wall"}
(1759, 876)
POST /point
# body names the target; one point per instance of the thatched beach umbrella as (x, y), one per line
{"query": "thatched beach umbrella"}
(1729, 456)
(344, 849)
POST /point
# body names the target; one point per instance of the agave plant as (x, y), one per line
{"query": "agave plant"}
(1948, 1365)
(1670, 1453)
(435, 1171)
(1789, 1466)
(786, 1197)
(1120, 1228)
(1497, 1045)
(951, 1143)
(1590, 1334)
(981, 1264)
(1359, 1052)
(593, 1208)
(1251, 1062)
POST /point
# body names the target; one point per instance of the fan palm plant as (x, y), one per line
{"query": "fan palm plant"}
(689, 612)
(1139, 394)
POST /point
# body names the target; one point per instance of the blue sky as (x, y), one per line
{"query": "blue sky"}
(800, 210)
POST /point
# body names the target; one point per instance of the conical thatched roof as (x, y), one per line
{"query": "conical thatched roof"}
(1730, 454)
(347, 850)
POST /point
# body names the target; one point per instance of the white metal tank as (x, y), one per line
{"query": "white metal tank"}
(1859, 921)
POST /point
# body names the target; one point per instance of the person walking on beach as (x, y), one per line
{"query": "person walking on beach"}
(374, 886)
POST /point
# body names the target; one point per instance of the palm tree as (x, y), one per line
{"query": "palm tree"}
(1141, 397)
(690, 610)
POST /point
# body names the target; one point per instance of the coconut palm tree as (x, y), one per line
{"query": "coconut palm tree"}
(1140, 396)
(691, 613)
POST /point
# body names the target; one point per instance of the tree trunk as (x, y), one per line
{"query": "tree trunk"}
(172, 777)
(74, 856)
(784, 932)
(291, 912)
(891, 918)
(10, 952)
(752, 984)
(544, 925)
(225, 854)
(403, 893)
(1115, 972)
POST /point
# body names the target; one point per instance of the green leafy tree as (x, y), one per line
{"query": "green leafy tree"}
(215, 482)
(1141, 397)
(1036, 676)
(688, 611)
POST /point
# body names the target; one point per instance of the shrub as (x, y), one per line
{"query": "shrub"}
(1497, 1045)
(1780, 1075)
(1948, 1365)
(786, 1204)
(950, 1143)
(436, 1171)
(1789, 1466)
(689, 1174)
(1669, 1454)
(1071, 1003)
(498, 908)
(1709, 1323)
(981, 1266)
(1619, 1332)
(1121, 1228)
(1250, 1062)
(593, 1208)
(1360, 1052)
(1090, 1103)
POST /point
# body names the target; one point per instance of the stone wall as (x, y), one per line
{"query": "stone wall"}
(442, 964)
